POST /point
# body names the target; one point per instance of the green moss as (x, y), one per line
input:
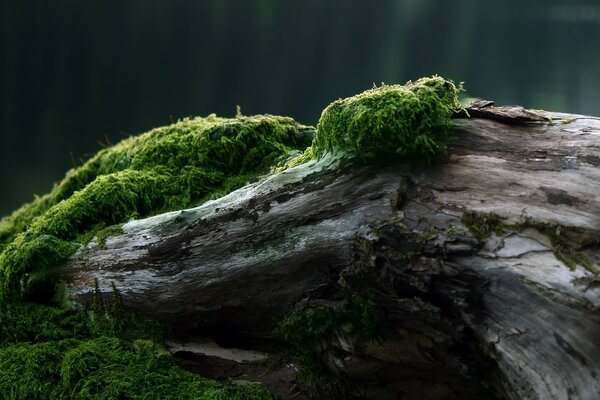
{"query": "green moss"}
(483, 225)
(104, 368)
(165, 169)
(105, 233)
(408, 122)
(397, 201)
(51, 353)
(308, 334)
(27, 322)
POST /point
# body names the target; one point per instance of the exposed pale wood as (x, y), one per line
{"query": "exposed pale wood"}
(503, 310)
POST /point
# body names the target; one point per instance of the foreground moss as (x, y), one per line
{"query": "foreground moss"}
(104, 368)
(54, 353)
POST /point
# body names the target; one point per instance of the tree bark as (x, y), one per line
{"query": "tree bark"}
(483, 265)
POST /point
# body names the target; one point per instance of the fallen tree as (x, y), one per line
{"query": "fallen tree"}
(475, 276)
(483, 267)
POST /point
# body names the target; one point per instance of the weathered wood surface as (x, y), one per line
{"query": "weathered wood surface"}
(503, 310)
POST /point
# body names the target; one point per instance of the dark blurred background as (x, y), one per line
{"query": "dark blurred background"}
(75, 73)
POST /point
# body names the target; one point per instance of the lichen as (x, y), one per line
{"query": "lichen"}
(566, 121)
(564, 248)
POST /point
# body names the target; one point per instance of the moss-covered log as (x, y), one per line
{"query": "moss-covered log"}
(482, 268)
(359, 263)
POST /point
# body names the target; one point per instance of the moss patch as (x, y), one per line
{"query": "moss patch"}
(483, 225)
(104, 368)
(52, 353)
(165, 169)
(564, 248)
(309, 333)
(409, 122)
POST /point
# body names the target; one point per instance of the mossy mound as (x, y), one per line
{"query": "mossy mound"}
(169, 168)
(407, 122)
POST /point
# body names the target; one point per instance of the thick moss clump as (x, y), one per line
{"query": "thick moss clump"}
(408, 122)
(33, 323)
(166, 169)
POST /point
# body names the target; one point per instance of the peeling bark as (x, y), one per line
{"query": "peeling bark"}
(513, 314)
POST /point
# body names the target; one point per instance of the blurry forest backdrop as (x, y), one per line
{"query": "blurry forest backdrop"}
(75, 73)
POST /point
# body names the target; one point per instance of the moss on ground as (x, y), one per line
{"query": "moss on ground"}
(105, 368)
(55, 353)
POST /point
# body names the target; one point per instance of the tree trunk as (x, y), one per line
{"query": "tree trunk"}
(483, 265)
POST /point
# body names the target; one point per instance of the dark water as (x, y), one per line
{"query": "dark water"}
(74, 72)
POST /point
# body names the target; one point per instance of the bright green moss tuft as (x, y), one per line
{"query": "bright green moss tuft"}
(405, 122)
(165, 169)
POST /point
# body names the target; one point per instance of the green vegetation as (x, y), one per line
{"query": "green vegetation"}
(566, 121)
(308, 334)
(104, 368)
(564, 248)
(166, 169)
(55, 353)
(408, 122)
(483, 225)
